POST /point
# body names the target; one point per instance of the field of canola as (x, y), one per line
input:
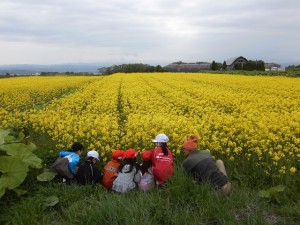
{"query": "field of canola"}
(252, 123)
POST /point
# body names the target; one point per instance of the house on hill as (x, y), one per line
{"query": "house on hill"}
(235, 60)
(187, 67)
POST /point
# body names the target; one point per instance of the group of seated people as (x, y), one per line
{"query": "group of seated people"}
(124, 174)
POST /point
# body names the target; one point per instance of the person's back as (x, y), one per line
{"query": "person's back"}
(128, 173)
(65, 166)
(147, 178)
(162, 165)
(110, 172)
(73, 156)
(89, 173)
(194, 158)
(162, 160)
(147, 181)
(126, 180)
(73, 159)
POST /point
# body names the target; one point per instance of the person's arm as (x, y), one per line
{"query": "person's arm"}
(73, 163)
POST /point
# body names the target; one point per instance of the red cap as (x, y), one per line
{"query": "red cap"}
(130, 154)
(118, 154)
(147, 155)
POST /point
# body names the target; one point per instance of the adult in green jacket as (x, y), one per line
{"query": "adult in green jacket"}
(200, 165)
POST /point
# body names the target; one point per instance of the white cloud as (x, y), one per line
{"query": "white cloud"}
(158, 31)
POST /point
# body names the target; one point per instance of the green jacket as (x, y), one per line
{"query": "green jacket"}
(194, 158)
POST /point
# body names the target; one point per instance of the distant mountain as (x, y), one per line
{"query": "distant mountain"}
(22, 69)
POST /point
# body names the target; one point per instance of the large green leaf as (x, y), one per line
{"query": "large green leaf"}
(15, 148)
(20, 191)
(264, 194)
(9, 139)
(2, 191)
(13, 172)
(32, 160)
(46, 176)
(31, 147)
(11, 149)
(23, 153)
(21, 136)
(50, 201)
(276, 189)
(3, 134)
(15, 165)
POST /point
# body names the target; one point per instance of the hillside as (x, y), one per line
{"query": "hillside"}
(22, 69)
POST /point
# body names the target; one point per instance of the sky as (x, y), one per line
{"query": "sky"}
(148, 31)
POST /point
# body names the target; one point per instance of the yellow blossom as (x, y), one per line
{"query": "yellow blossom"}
(293, 170)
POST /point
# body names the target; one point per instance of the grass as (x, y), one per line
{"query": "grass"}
(180, 202)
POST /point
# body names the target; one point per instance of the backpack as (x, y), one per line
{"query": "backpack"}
(61, 167)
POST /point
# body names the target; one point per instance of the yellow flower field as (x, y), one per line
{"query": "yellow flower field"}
(253, 123)
(21, 94)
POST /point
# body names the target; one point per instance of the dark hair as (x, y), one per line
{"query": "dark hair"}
(131, 162)
(165, 148)
(145, 166)
(77, 147)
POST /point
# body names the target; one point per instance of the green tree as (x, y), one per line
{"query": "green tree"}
(224, 66)
(130, 68)
(214, 65)
(260, 65)
(159, 68)
(257, 65)
(293, 68)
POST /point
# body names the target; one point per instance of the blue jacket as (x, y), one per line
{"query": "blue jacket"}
(74, 159)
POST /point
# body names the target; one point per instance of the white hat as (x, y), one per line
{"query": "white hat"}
(161, 138)
(93, 154)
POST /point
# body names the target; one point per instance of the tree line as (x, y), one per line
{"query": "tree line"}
(295, 68)
(130, 68)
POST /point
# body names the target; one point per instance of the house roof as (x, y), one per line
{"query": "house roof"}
(233, 59)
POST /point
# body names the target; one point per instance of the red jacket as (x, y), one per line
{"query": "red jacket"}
(110, 173)
(162, 165)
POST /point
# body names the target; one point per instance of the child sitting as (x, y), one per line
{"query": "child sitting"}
(89, 173)
(162, 160)
(147, 177)
(128, 173)
(111, 169)
(71, 158)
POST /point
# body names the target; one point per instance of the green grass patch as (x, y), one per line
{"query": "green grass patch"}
(180, 202)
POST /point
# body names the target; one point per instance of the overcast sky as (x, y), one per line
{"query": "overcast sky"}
(148, 31)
